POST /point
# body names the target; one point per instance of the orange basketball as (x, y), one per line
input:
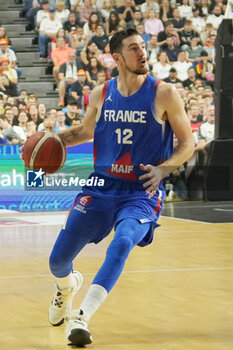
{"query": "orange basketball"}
(44, 150)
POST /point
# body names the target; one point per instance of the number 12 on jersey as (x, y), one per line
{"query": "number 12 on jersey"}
(124, 136)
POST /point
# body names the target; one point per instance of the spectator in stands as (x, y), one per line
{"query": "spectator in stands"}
(31, 99)
(194, 117)
(205, 68)
(90, 51)
(206, 33)
(22, 105)
(15, 110)
(34, 114)
(48, 30)
(187, 34)
(172, 77)
(31, 128)
(138, 19)
(78, 120)
(85, 11)
(149, 5)
(107, 61)
(3, 34)
(182, 66)
(76, 88)
(5, 51)
(43, 13)
(177, 21)
(10, 72)
(9, 114)
(141, 30)
(42, 110)
(198, 22)
(152, 50)
(7, 87)
(72, 111)
(60, 34)
(61, 12)
(161, 69)
(168, 30)
(189, 82)
(112, 23)
(165, 10)
(101, 77)
(21, 128)
(216, 18)
(67, 76)
(210, 47)
(8, 132)
(221, 3)
(60, 122)
(185, 9)
(23, 94)
(172, 50)
(59, 56)
(194, 50)
(92, 69)
(10, 100)
(70, 25)
(89, 28)
(205, 7)
(153, 25)
(206, 129)
(78, 40)
(49, 125)
(107, 7)
(31, 12)
(126, 12)
(100, 38)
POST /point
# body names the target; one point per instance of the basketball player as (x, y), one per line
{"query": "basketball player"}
(132, 120)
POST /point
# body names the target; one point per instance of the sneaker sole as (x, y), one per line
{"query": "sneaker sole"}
(57, 324)
(79, 337)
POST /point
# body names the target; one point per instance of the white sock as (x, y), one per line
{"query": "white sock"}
(93, 299)
(66, 282)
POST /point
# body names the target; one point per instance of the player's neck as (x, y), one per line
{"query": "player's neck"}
(128, 85)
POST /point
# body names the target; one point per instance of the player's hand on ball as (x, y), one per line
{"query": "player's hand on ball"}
(153, 176)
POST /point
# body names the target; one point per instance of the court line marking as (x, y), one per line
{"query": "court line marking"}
(199, 222)
(133, 272)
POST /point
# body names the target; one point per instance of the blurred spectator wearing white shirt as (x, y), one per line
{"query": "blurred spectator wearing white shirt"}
(216, 18)
(48, 30)
(185, 10)
(42, 14)
(182, 66)
(61, 12)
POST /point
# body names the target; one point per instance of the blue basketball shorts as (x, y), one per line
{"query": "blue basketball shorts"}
(93, 217)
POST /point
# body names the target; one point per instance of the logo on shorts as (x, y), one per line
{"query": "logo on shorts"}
(85, 200)
(35, 178)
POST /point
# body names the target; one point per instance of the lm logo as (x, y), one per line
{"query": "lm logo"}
(85, 200)
(35, 178)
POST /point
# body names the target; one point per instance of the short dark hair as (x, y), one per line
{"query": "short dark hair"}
(116, 40)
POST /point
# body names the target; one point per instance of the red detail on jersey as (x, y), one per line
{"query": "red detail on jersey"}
(84, 200)
(157, 82)
(104, 91)
(94, 154)
(158, 206)
(123, 168)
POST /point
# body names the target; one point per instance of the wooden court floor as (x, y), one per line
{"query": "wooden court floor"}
(176, 294)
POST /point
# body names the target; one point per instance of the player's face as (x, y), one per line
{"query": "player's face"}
(134, 55)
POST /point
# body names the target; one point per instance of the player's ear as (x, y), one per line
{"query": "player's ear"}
(116, 56)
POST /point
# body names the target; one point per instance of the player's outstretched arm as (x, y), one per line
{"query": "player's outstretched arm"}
(169, 106)
(84, 132)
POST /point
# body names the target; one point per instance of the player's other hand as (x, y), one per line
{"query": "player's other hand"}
(153, 176)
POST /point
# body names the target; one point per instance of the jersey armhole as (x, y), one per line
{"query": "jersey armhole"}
(104, 91)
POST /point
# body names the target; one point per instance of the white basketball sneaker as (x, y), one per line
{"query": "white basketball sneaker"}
(61, 304)
(76, 330)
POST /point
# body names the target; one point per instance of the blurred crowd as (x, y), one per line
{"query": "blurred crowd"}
(73, 38)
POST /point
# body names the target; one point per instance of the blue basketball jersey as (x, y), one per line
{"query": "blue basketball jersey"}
(129, 132)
